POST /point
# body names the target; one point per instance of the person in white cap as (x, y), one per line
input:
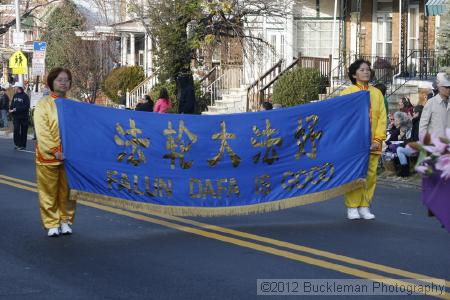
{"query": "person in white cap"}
(436, 113)
(20, 109)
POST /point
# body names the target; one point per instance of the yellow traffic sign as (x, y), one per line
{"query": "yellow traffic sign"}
(20, 71)
(18, 61)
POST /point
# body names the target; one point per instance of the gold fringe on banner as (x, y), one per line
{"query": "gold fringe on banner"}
(217, 211)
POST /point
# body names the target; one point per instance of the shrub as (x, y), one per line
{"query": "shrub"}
(298, 86)
(123, 78)
(201, 99)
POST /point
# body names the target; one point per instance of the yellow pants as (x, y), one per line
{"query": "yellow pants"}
(54, 203)
(363, 196)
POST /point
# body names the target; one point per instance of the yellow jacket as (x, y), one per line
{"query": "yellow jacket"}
(377, 113)
(46, 125)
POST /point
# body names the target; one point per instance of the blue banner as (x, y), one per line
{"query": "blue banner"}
(216, 165)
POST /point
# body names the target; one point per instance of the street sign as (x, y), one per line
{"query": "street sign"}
(18, 62)
(39, 46)
(38, 62)
(18, 38)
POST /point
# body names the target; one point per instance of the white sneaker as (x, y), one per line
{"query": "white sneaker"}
(65, 228)
(53, 231)
(365, 213)
(352, 213)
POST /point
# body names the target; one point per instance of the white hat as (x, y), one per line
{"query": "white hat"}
(18, 84)
(445, 81)
(441, 75)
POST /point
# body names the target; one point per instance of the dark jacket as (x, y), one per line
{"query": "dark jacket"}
(4, 102)
(414, 131)
(394, 132)
(147, 106)
(21, 102)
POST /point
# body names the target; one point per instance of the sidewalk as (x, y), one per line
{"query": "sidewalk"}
(8, 134)
(414, 181)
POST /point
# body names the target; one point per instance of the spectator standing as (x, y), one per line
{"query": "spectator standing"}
(436, 113)
(20, 109)
(122, 98)
(4, 106)
(406, 106)
(163, 103)
(383, 91)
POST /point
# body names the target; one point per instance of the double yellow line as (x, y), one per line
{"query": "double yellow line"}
(325, 259)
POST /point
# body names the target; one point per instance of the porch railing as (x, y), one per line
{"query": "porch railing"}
(254, 96)
(225, 78)
(419, 64)
(261, 90)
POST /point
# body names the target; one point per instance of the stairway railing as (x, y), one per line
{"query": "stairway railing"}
(261, 90)
(140, 90)
(254, 97)
(406, 70)
(226, 78)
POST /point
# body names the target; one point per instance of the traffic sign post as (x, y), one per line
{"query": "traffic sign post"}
(18, 63)
(38, 62)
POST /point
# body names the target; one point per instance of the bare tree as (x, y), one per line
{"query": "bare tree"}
(28, 8)
(180, 27)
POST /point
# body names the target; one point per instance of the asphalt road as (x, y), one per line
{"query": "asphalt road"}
(115, 254)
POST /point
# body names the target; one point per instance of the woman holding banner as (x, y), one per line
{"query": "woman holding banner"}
(358, 201)
(57, 211)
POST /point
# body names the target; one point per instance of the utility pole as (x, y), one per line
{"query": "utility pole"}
(18, 31)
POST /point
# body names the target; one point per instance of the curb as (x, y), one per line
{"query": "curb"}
(398, 182)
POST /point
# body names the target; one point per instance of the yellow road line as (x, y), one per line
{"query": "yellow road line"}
(317, 252)
(18, 180)
(18, 185)
(282, 253)
(262, 248)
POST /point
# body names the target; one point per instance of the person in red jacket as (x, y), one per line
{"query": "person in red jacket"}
(163, 103)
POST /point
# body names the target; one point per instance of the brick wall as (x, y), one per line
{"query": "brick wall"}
(367, 12)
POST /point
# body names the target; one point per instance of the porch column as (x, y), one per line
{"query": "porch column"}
(149, 54)
(289, 39)
(132, 50)
(145, 55)
(123, 46)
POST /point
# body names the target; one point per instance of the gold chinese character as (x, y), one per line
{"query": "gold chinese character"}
(312, 136)
(223, 136)
(269, 144)
(129, 138)
(184, 146)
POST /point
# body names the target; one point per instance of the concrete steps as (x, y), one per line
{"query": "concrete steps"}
(233, 101)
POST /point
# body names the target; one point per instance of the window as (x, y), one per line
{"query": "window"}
(314, 38)
(384, 35)
(385, 5)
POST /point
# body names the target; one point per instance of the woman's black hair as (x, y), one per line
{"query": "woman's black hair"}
(406, 102)
(267, 105)
(54, 73)
(382, 87)
(163, 94)
(354, 67)
(148, 98)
